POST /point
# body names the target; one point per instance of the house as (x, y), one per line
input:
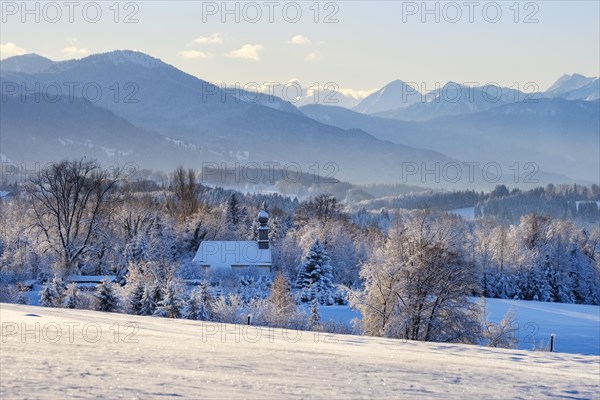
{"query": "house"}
(238, 255)
(89, 282)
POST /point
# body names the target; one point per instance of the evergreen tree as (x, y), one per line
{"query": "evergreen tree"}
(315, 276)
(71, 298)
(251, 288)
(52, 294)
(191, 307)
(170, 305)
(235, 212)
(135, 299)
(106, 298)
(199, 304)
(148, 304)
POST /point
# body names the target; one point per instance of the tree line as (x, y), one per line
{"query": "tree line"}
(413, 273)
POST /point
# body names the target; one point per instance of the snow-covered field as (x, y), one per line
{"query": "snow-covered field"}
(576, 327)
(61, 353)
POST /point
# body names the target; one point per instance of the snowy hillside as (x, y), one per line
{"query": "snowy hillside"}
(576, 326)
(191, 359)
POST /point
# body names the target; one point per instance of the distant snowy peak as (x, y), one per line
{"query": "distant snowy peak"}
(27, 64)
(567, 83)
(575, 87)
(396, 94)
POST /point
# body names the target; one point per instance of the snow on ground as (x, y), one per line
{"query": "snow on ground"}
(576, 326)
(98, 356)
(338, 313)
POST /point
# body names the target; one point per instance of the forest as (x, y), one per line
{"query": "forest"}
(412, 269)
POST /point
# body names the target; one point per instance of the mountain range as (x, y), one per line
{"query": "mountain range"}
(159, 106)
(399, 100)
(555, 134)
(129, 106)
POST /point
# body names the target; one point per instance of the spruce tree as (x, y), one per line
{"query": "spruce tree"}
(135, 298)
(148, 305)
(315, 276)
(53, 293)
(71, 299)
(199, 304)
(170, 305)
(235, 212)
(106, 297)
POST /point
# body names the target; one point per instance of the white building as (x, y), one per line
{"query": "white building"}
(238, 255)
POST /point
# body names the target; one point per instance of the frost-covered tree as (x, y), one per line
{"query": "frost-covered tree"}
(199, 304)
(282, 308)
(251, 287)
(52, 293)
(418, 284)
(106, 297)
(71, 296)
(135, 298)
(315, 317)
(171, 304)
(229, 309)
(148, 306)
(503, 334)
(314, 276)
(185, 188)
(70, 205)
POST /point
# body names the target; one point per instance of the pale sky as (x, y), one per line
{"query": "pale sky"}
(371, 44)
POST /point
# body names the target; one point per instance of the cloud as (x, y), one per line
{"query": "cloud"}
(357, 94)
(193, 54)
(215, 38)
(10, 49)
(247, 52)
(72, 51)
(299, 40)
(312, 56)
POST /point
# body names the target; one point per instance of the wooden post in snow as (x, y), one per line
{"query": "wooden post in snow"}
(551, 342)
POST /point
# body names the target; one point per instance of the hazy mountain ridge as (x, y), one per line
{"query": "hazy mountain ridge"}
(557, 134)
(456, 99)
(42, 132)
(27, 63)
(204, 122)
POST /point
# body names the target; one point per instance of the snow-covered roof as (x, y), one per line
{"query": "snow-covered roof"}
(227, 254)
(90, 278)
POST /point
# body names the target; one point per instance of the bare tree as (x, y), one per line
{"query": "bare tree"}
(324, 208)
(69, 204)
(185, 189)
